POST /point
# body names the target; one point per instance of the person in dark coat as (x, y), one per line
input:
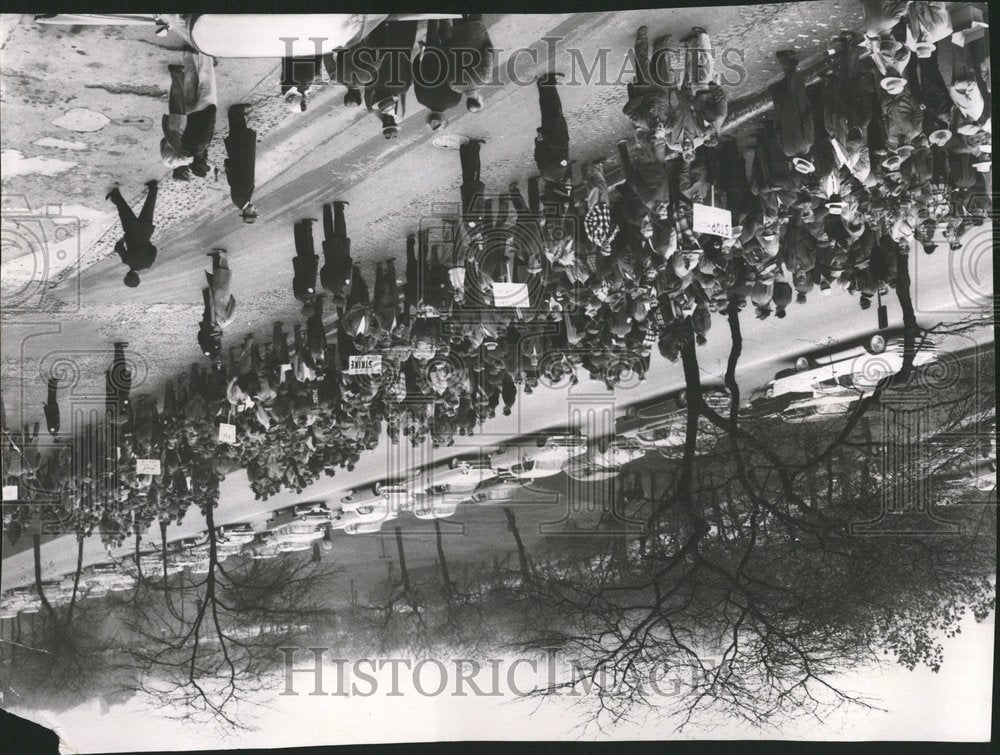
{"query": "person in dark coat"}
(470, 53)
(430, 77)
(335, 275)
(134, 247)
(189, 125)
(306, 264)
(386, 95)
(792, 112)
(210, 331)
(51, 407)
(297, 76)
(472, 187)
(552, 139)
(118, 379)
(241, 156)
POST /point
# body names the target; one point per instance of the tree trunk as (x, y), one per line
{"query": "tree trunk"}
(522, 554)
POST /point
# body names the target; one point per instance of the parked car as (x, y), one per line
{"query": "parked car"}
(547, 459)
(315, 512)
(859, 364)
(296, 536)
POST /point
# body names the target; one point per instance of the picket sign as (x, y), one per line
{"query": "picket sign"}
(511, 294)
(714, 221)
(147, 466)
(227, 433)
(10, 492)
(284, 368)
(364, 364)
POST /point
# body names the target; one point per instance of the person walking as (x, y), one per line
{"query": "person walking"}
(134, 247)
(335, 275)
(189, 125)
(306, 264)
(386, 94)
(51, 407)
(430, 77)
(470, 57)
(552, 139)
(118, 379)
(792, 112)
(241, 157)
(219, 280)
(297, 77)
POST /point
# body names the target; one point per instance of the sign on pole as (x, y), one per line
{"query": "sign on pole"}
(511, 294)
(10, 492)
(227, 432)
(364, 364)
(713, 220)
(147, 466)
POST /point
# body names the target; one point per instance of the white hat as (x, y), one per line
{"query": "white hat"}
(940, 137)
(293, 100)
(802, 165)
(893, 84)
(969, 129)
(892, 163)
(924, 49)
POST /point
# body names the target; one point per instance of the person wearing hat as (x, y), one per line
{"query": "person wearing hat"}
(297, 77)
(470, 57)
(335, 275)
(472, 187)
(793, 112)
(241, 157)
(135, 248)
(189, 125)
(386, 94)
(430, 77)
(552, 137)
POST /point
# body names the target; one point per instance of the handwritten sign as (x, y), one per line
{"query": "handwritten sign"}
(511, 294)
(10, 492)
(714, 221)
(364, 364)
(147, 466)
(227, 433)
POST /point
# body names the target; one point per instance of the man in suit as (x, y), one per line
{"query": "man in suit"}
(51, 407)
(335, 276)
(430, 77)
(306, 265)
(241, 156)
(134, 247)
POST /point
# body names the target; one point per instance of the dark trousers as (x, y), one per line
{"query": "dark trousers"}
(127, 216)
(299, 72)
(304, 246)
(469, 155)
(334, 222)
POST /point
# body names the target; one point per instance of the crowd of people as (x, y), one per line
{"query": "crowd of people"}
(889, 151)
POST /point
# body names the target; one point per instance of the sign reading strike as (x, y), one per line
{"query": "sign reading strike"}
(511, 294)
(147, 466)
(364, 364)
(10, 492)
(227, 433)
(713, 220)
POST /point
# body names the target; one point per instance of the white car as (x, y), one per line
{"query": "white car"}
(359, 528)
(460, 476)
(296, 536)
(549, 458)
(236, 534)
(860, 364)
(501, 488)
(315, 513)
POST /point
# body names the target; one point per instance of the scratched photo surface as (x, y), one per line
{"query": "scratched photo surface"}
(456, 376)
